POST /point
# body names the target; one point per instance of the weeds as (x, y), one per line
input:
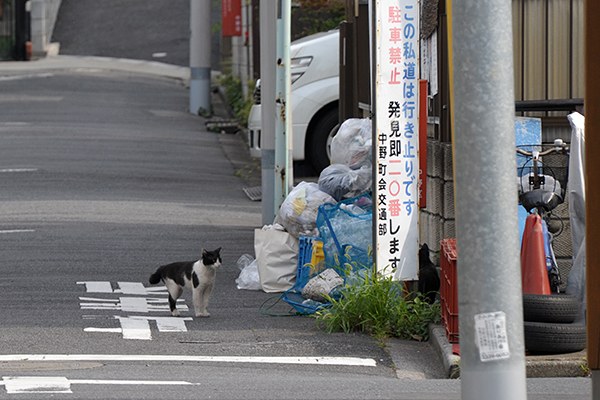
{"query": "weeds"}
(380, 306)
(234, 96)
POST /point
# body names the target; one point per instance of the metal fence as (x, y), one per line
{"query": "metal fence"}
(7, 29)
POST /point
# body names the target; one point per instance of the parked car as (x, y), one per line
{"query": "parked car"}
(314, 99)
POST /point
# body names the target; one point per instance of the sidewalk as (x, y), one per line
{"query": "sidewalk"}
(54, 63)
(539, 366)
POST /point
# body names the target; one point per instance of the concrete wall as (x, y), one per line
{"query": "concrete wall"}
(43, 18)
(437, 219)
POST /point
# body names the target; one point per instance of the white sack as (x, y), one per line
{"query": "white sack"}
(277, 258)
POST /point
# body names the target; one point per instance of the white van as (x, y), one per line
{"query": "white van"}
(315, 97)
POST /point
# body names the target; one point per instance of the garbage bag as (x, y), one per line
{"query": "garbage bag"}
(346, 231)
(351, 145)
(277, 257)
(248, 278)
(576, 282)
(340, 181)
(298, 212)
(322, 285)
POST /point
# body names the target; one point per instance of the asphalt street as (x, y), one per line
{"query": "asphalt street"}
(104, 176)
(155, 30)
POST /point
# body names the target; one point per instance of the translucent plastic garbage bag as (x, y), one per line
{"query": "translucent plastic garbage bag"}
(340, 181)
(351, 145)
(298, 213)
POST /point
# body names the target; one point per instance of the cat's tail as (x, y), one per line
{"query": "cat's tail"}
(155, 277)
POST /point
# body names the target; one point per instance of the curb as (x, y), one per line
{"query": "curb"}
(61, 62)
(572, 365)
(439, 341)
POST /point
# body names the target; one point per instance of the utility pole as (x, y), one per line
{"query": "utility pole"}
(592, 189)
(489, 273)
(268, 112)
(283, 132)
(200, 30)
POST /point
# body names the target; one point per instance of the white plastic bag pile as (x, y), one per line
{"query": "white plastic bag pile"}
(348, 176)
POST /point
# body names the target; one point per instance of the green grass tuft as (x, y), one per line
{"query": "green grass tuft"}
(380, 307)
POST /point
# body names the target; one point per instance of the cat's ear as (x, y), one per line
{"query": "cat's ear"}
(218, 251)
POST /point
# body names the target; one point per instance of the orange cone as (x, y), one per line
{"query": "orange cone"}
(533, 258)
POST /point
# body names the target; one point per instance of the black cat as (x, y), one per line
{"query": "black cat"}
(429, 280)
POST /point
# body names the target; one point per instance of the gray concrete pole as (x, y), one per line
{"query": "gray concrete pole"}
(283, 132)
(268, 15)
(200, 35)
(489, 273)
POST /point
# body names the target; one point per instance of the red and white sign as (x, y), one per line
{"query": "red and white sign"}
(397, 138)
(231, 17)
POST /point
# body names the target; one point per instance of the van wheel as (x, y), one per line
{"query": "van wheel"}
(320, 139)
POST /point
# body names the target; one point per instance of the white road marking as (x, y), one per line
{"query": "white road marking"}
(125, 382)
(25, 98)
(156, 289)
(124, 288)
(341, 361)
(168, 324)
(130, 304)
(133, 304)
(36, 384)
(17, 231)
(14, 123)
(60, 384)
(10, 170)
(138, 327)
(104, 330)
(133, 328)
(97, 286)
(26, 76)
(131, 288)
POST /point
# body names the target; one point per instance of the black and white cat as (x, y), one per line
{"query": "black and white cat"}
(197, 275)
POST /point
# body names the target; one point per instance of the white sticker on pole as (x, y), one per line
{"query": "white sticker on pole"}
(396, 138)
(491, 336)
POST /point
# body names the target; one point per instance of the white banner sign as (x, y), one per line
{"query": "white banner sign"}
(396, 141)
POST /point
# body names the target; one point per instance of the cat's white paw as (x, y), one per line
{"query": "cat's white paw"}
(205, 314)
(175, 313)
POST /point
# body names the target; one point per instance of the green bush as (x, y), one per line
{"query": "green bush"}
(380, 306)
(234, 96)
(312, 16)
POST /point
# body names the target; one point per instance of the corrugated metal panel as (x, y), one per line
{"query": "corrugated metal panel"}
(559, 49)
(578, 83)
(534, 44)
(517, 12)
(548, 49)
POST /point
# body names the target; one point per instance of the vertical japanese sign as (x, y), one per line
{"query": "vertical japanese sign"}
(397, 138)
(231, 17)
